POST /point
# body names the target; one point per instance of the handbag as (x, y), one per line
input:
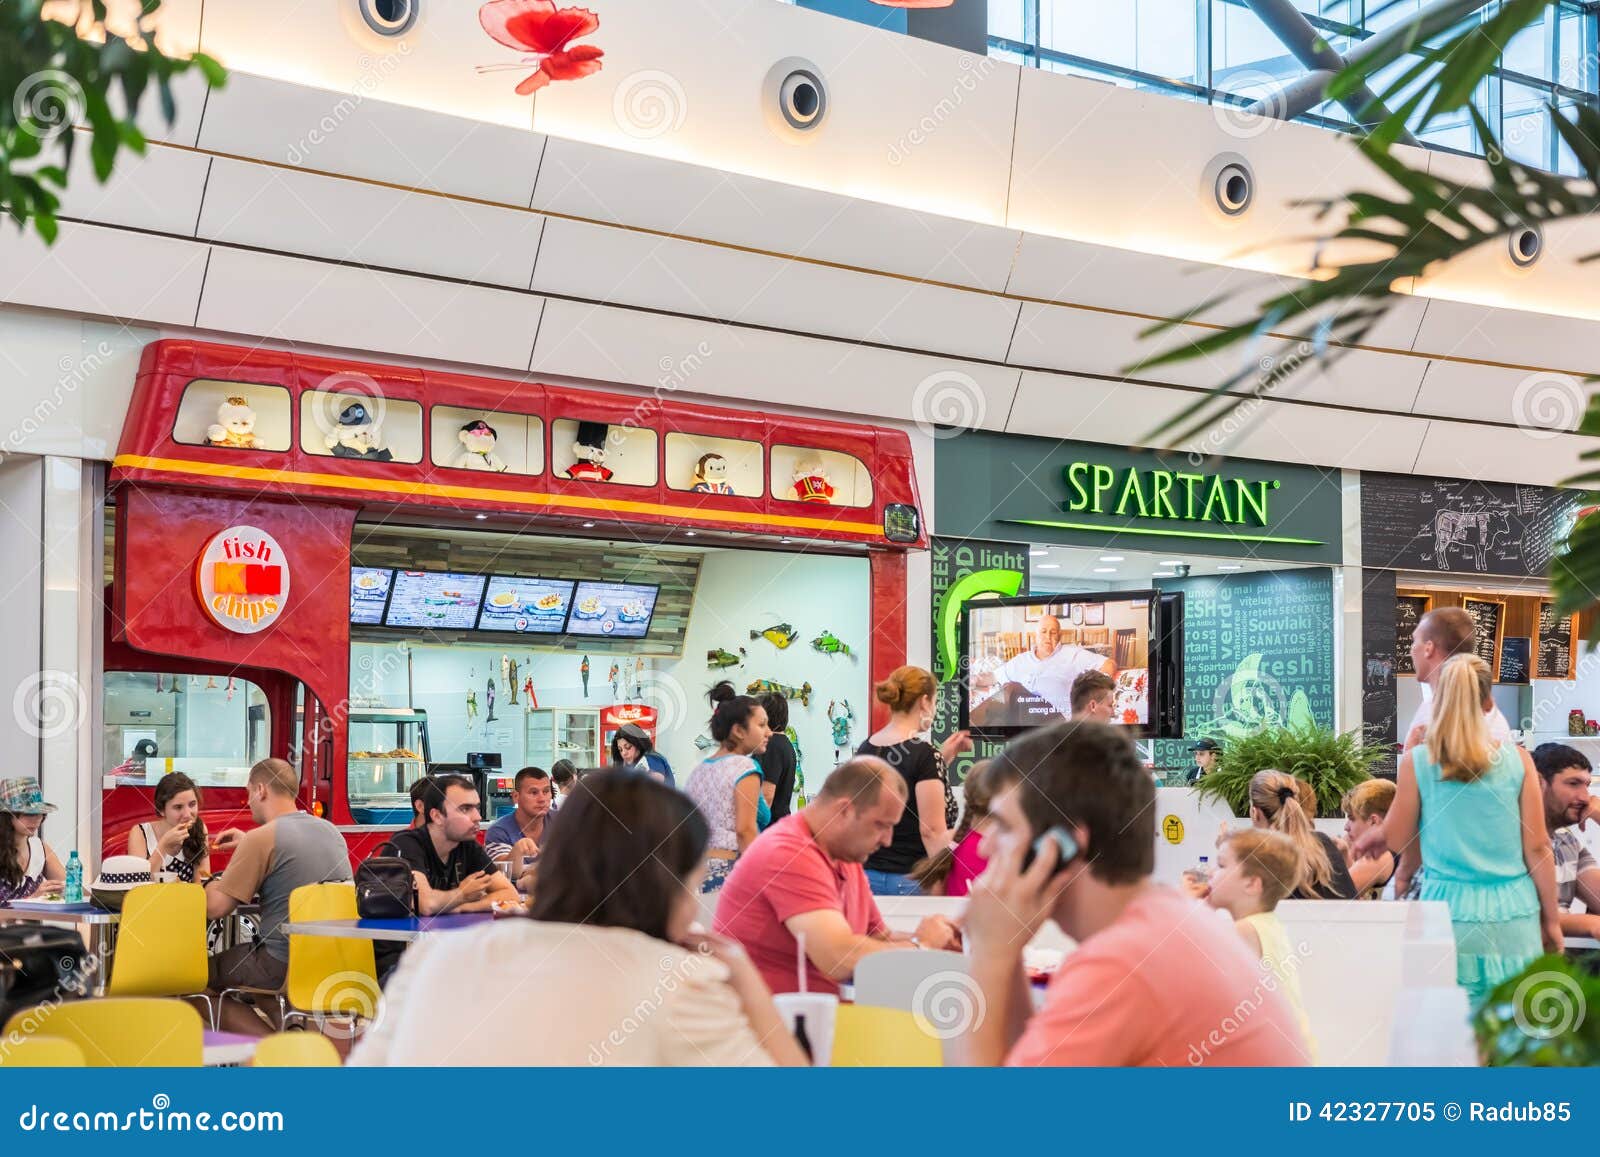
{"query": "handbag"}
(39, 964)
(384, 887)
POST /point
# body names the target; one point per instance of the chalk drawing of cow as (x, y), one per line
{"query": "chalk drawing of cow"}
(1477, 531)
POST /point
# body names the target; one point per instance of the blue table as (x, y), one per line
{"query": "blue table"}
(415, 928)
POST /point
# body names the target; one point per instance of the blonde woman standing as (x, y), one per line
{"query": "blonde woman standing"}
(1477, 805)
(1275, 804)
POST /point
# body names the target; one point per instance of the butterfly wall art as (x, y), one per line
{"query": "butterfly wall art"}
(545, 34)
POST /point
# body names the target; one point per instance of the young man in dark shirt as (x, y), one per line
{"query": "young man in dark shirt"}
(778, 762)
(452, 871)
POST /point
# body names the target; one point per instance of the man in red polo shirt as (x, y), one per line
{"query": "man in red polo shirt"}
(803, 876)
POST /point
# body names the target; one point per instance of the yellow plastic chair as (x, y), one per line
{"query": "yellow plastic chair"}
(121, 1032)
(867, 1037)
(41, 1052)
(296, 1050)
(161, 944)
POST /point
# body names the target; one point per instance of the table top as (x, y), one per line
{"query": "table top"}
(81, 913)
(1588, 943)
(414, 928)
(229, 1048)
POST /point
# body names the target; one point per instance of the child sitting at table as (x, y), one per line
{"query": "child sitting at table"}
(1255, 870)
(28, 867)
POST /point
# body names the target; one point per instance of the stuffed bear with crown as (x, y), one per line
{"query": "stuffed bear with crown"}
(235, 426)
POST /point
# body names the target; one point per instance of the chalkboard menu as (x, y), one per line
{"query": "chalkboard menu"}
(1462, 527)
(1487, 620)
(1555, 644)
(1515, 653)
(1408, 611)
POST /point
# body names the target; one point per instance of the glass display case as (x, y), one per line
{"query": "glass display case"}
(388, 753)
(571, 733)
(211, 729)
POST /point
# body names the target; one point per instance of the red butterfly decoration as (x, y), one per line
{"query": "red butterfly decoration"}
(544, 31)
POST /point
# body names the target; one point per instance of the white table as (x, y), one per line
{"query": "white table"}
(1588, 943)
(225, 1049)
(398, 931)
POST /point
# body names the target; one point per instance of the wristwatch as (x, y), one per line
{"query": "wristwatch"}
(915, 942)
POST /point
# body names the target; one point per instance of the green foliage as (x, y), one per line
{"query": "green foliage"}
(1331, 762)
(1547, 1015)
(54, 75)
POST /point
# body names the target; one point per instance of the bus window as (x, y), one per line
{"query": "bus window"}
(819, 477)
(707, 465)
(233, 416)
(488, 440)
(598, 452)
(213, 729)
(363, 426)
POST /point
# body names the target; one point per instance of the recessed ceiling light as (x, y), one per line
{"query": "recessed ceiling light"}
(1229, 566)
(1038, 553)
(1105, 570)
(1172, 562)
(588, 526)
(688, 534)
(480, 517)
(1048, 566)
(1112, 558)
(1162, 574)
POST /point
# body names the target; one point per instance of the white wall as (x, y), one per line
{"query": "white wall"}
(744, 591)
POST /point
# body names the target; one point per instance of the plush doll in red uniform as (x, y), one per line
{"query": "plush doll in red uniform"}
(811, 481)
(590, 450)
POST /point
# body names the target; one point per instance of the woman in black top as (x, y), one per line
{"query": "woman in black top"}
(779, 761)
(924, 827)
(1275, 804)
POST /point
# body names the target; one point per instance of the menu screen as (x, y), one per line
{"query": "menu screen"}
(369, 591)
(529, 606)
(436, 601)
(612, 610)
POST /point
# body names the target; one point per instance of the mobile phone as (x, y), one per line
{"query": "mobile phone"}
(1066, 848)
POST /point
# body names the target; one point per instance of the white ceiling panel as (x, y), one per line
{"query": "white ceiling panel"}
(159, 191)
(613, 265)
(1537, 400)
(1463, 450)
(104, 272)
(1513, 336)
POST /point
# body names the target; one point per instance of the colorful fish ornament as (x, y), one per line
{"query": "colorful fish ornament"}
(779, 636)
(829, 644)
(718, 659)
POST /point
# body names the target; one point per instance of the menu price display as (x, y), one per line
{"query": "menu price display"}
(369, 592)
(530, 606)
(435, 600)
(1554, 643)
(1487, 622)
(1514, 659)
(612, 610)
(1408, 611)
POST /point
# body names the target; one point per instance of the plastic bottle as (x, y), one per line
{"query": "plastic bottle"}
(1205, 867)
(73, 894)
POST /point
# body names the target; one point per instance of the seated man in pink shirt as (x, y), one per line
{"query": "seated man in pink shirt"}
(1156, 979)
(803, 876)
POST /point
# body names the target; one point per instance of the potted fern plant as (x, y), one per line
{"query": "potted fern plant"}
(1330, 761)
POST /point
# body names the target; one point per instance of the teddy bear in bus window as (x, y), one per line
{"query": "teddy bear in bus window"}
(711, 475)
(235, 426)
(357, 436)
(478, 440)
(590, 452)
(811, 482)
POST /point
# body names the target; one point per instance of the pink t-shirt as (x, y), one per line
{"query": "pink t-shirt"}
(1170, 984)
(786, 873)
(967, 865)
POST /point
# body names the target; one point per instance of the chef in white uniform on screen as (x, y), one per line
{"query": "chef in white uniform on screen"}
(1049, 669)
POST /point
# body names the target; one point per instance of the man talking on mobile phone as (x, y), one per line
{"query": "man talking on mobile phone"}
(1156, 979)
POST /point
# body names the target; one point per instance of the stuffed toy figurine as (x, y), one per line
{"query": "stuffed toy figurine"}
(811, 481)
(235, 426)
(477, 448)
(711, 475)
(358, 436)
(590, 450)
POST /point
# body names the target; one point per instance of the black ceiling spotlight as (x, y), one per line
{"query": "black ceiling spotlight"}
(795, 97)
(1235, 188)
(389, 17)
(1525, 244)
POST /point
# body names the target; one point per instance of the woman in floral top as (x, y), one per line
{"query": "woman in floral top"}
(27, 865)
(726, 786)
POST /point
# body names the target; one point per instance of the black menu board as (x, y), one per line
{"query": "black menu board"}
(1408, 610)
(1555, 644)
(1516, 653)
(1462, 527)
(1487, 617)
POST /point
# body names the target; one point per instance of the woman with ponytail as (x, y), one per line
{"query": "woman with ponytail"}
(726, 785)
(1276, 804)
(1476, 807)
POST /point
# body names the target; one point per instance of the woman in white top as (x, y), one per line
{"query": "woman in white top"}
(726, 786)
(610, 929)
(28, 867)
(175, 843)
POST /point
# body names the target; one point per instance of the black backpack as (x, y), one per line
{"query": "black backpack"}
(384, 888)
(39, 964)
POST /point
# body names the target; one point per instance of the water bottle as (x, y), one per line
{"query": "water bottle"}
(73, 894)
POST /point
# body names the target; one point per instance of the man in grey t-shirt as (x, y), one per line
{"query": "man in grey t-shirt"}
(1569, 807)
(288, 849)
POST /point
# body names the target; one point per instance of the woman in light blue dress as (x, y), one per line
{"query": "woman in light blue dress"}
(1476, 806)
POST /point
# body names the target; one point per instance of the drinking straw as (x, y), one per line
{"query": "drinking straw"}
(800, 962)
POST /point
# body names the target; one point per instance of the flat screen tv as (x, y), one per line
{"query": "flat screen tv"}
(434, 600)
(526, 606)
(612, 610)
(1021, 656)
(369, 594)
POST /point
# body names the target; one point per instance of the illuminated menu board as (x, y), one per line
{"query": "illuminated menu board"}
(435, 600)
(612, 610)
(527, 606)
(369, 591)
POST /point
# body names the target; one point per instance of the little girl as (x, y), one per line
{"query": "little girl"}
(951, 871)
(1256, 869)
